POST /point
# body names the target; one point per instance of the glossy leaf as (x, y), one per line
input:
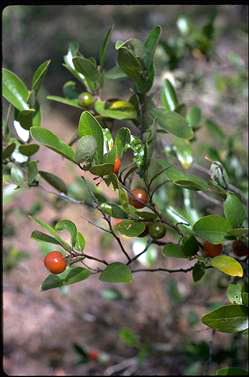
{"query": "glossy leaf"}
(172, 122)
(88, 125)
(85, 149)
(123, 138)
(101, 170)
(52, 281)
(150, 45)
(50, 140)
(228, 265)
(66, 101)
(194, 116)
(212, 228)
(29, 149)
(40, 236)
(80, 242)
(190, 246)
(70, 227)
(231, 372)
(114, 210)
(234, 293)
(173, 250)
(227, 319)
(131, 65)
(25, 118)
(39, 75)
(234, 210)
(7, 152)
(116, 273)
(130, 228)
(198, 271)
(54, 181)
(14, 90)
(86, 67)
(76, 274)
(168, 96)
(183, 151)
(120, 114)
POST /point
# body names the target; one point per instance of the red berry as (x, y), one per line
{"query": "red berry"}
(212, 250)
(93, 355)
(55, 262)
(240, 248)
(117, 165)
(142, 197)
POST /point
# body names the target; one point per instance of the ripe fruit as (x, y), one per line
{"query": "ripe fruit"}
(240, 248)
(117, 165)
(157, 230)
(85, 99)
(212, 250)
(142, 197)
(93, 355)
(55, 262)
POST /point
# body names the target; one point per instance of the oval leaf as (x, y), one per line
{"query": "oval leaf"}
(40, 236)
(234, 210)
(65, 101)
(130, 228)
(168, 96)
(80, 242)
(212, 228)
(39, 74)
(194, 116)
(101, 170)
(228, 319)
(116, 273)
(120, 114)
(173, 250)
(29, 149)
(52, 281)
(85, 149)
(228, 265)
(7, 152)
(54, 181)
(14, 90)
(183, 151)
(70, 227)
(234, 293)
(76, 274)
(172, 122)
(50, 140)
(17, 175)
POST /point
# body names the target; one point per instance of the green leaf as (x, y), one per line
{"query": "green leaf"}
(70, 91)
(70, 227)
(150, 45)
(190, 246)
(85, 149)
(227, 319)
(123, 198)
(231, 372)
(234, 293)
(50, 140)
(14, 90)
(120, 114)
(194, 116)
(113, 210)
(228, 265)
(104, 47)
(86, 67)
(80, 242)
(173, 250)
(76, 274)
(40, 236)
(245, 298)
(52, 281)
(130, 228)
(39, 75)
(215, 131)
(88, 125)
(123, 138)
(7, 152)
(116, 273)
(212, 228)
(234, 210)
(128, 337)
(132, 66)
(16, 175)
(25, 118)
(66, 101)
(168, 96)
(237, 232)
(172, 122)
(115, 73)
(32, 171)
(198, 271)
(183, 151)
(101, 170)
(54, 181)
(28, 149)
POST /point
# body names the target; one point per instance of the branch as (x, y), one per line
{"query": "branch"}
(142, 252)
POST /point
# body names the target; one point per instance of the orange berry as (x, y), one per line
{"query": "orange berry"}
(117, 165)
(142, 197)
(55, 262)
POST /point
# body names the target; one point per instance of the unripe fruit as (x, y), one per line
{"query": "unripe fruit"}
(240, 248)
(86, 99)
(142, 197)
(117, 165)
(212, 250)
(85, 149)
(157, 230)
(55, 262)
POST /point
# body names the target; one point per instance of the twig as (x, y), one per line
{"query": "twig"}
(142, 252)
(120, 366)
